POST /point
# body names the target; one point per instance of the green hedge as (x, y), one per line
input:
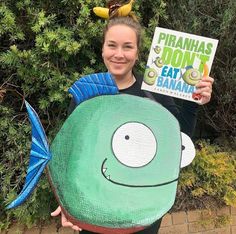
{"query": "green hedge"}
(46, 45)
(210, 181)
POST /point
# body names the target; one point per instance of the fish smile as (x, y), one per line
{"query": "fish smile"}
(108, 177)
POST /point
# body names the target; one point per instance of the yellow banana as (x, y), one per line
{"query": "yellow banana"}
(102, 12)
(126, 9)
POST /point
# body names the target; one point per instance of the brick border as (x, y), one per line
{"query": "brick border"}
(221, 221)
(196, 221)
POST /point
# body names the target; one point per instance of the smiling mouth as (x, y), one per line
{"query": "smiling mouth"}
(118, 62)
(108, 177)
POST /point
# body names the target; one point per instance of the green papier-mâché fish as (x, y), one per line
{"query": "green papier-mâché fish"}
(115, 163)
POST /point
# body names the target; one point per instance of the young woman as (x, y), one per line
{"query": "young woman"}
(120, 52)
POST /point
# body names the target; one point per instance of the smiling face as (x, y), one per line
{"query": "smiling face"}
(117, 167)
(120, 51)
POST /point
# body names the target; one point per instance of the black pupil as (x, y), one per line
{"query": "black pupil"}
(126, 137)
(183, 147)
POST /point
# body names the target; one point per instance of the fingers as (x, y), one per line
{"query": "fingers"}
(204, 100)
(204, 88)
(76, 228)
(206, 81)
(64, 220)
(66, 223)
(56, 212)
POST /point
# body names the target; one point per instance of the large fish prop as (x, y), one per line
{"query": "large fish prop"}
(115, 163)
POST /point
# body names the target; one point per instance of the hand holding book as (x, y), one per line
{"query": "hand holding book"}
(204, 89)
(179, 64)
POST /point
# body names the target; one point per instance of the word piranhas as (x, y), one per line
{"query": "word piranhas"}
(185, 43)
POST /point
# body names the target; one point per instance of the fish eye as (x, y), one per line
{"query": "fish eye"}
(194, 74)
(188, 150)
(134, 144)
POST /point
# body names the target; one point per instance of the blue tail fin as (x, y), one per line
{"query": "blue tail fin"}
(39, 157)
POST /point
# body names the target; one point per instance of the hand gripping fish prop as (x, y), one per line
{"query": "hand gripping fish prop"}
(115, 163)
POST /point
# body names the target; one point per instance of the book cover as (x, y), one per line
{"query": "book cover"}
(176, 63)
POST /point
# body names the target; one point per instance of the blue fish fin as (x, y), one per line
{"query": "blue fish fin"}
(93, 85)
(39, 157)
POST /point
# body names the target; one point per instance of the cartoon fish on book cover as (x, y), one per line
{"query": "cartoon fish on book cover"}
(112, 167)
(177, 62)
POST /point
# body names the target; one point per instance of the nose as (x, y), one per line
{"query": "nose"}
(119, 53)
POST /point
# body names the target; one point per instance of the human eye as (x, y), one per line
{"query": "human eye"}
(128, 47)
(111, 45)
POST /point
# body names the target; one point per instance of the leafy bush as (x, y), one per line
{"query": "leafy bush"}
(15, 145)
(209, 181)
(46, 45)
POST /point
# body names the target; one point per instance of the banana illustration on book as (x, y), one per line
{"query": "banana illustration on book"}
(124, 10)
(205, 70)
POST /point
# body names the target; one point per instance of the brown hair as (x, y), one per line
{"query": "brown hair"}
(127, 21)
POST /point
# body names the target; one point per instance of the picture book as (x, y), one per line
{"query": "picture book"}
(177, 62)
